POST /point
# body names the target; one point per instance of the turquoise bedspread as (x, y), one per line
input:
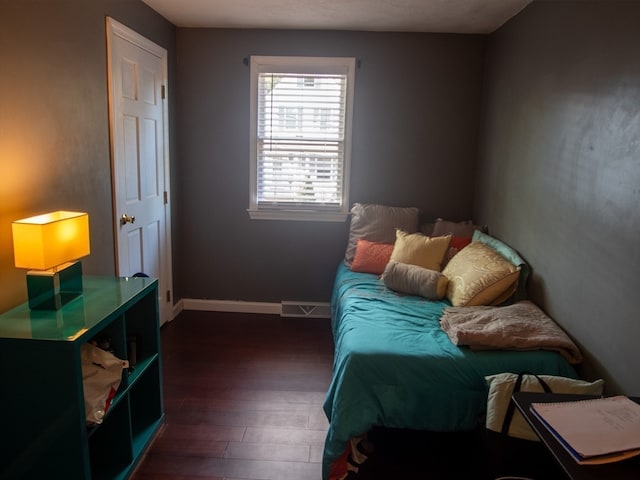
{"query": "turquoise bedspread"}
(395, 367)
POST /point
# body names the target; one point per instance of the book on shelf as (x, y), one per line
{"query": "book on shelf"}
(595, 431)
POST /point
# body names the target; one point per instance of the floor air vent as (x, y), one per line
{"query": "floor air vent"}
(298, 309)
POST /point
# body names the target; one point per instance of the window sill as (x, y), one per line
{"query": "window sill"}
(298, 215)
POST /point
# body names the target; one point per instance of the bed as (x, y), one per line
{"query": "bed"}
(395, 366)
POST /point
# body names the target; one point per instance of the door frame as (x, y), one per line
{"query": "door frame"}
(115, 28)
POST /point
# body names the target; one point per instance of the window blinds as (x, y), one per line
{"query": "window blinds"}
(301, 139)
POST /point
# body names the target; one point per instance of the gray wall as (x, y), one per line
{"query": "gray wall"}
(560, 170)
(54, 124)
(417, 99)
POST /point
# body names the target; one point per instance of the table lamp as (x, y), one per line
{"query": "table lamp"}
(49, 245)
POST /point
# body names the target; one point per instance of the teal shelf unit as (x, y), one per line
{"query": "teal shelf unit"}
(43, 429)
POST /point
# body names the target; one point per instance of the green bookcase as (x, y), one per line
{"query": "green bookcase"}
(43, 430)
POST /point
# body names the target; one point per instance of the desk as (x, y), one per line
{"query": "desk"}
(628, 469)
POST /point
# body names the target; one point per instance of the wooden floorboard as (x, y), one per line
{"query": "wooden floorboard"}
(243, 398)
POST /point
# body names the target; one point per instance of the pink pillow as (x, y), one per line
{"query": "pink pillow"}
(371, 257)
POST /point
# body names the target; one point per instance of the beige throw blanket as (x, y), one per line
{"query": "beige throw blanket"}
(521, 326)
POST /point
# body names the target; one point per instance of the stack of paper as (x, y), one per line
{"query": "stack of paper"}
(594, 431)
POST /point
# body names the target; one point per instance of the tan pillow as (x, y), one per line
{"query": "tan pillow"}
(478, 275)
(418, 249)
(378, 223)
(501, 388)
(414, 280)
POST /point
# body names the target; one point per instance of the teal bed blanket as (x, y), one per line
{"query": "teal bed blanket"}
(395, 367)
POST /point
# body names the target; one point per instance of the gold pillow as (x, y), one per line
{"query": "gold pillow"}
(420, 250)
(478, 275)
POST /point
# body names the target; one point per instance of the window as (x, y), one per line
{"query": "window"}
(300, 137)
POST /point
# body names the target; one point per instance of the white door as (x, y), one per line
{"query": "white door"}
(139, 149)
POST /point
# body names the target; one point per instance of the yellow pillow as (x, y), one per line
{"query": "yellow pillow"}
(418, 249)
(478, 275)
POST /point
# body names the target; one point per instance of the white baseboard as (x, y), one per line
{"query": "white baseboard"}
(177, 308)
(231, 306)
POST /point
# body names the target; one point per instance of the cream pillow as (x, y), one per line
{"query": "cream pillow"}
(420, 250)
(414, 280)
(478, 275)
(501, 389)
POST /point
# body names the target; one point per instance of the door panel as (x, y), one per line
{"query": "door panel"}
(132, 255)
(130, 160)
(152, 236)
(150, 178)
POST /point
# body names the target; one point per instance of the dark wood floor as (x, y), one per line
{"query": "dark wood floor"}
(243, 400)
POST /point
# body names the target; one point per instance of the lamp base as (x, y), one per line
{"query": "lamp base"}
(51, 289)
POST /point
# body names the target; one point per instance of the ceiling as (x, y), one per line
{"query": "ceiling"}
(450, 16)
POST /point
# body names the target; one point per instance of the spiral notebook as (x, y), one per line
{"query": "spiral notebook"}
(601, 430)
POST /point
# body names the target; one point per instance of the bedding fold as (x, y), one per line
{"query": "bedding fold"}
(521, 326)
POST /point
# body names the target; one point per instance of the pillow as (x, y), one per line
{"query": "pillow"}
(510, 254)
(414, 280)
(371, 257)
(501, 388)
(478, 275)
(457, 229)
(418, 249)
(457, 244)
(378, 223)
(427, 228)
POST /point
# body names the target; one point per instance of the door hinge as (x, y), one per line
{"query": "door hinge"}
(166, 198)
(163, 92)
(168, 295)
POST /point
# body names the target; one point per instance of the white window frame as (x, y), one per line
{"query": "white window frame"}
(271, 64)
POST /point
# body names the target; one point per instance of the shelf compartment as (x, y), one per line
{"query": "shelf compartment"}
(114, 332)
(140, 369)
(110, 444)
(145, 397)
(142, 330)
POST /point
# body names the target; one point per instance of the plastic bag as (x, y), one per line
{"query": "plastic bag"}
(101, 376)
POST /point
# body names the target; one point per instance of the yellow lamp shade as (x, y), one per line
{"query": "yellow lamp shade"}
(46, 241)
